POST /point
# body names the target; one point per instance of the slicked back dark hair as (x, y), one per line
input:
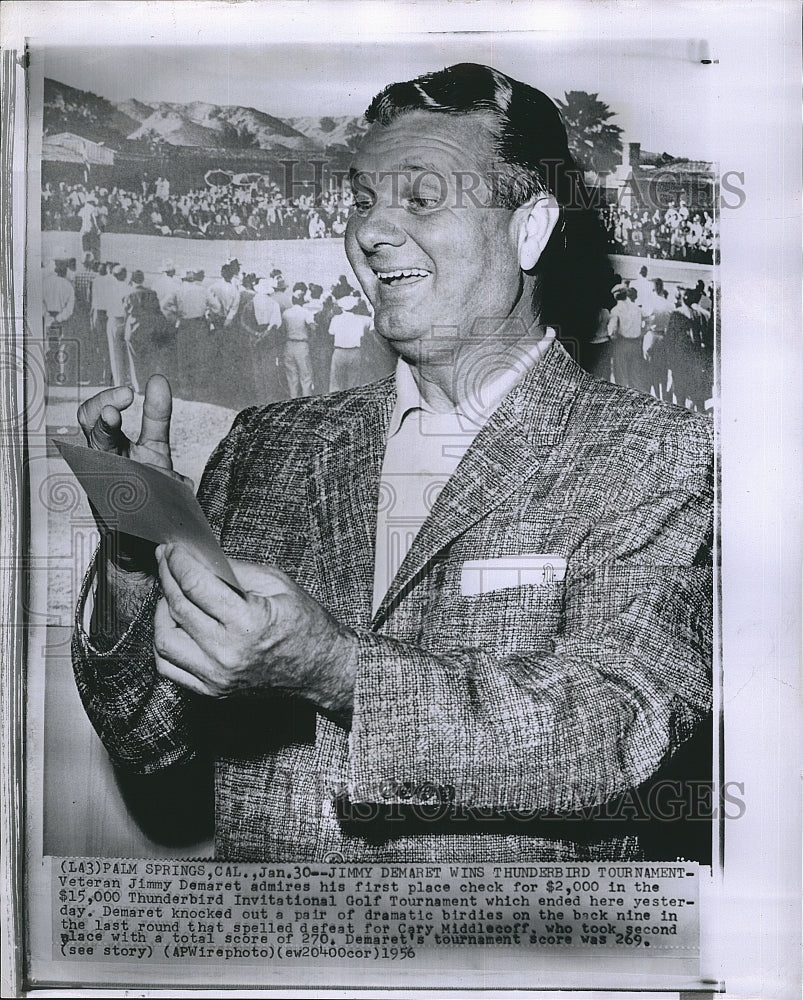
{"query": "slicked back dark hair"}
(573, 276)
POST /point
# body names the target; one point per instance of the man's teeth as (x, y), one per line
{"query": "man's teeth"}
(413, 272)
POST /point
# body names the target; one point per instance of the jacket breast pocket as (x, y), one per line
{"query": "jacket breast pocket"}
(524, 618)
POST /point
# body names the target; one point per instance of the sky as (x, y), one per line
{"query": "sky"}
(662, 95)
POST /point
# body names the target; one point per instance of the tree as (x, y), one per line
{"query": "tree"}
(593, 139)
(239, 137)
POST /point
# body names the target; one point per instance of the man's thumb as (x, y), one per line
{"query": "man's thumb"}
(157, 408)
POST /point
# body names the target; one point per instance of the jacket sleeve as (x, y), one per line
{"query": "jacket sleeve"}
(625, 683)
(145, 721)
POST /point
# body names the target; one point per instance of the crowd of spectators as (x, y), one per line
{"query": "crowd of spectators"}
(233, 339)
(258, 210)
(658, 342)
(242, 339)
(677, 232)
(253, 210)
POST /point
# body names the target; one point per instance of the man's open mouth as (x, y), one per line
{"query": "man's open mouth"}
(402, 276)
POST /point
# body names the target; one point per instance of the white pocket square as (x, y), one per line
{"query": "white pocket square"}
(480, 576)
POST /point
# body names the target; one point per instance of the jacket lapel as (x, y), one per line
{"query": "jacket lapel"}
(509, 450)
(343, 492)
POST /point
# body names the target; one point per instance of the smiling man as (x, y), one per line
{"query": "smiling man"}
(477, 608)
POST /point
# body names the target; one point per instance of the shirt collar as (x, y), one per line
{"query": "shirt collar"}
(474, 412)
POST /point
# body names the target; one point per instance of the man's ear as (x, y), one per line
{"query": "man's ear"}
(535, 220)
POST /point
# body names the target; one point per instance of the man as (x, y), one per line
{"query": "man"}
(298, 324)
(150, 339)
(90, 356)
(322, 347)
(58, 305)
(281, 294)
(688, 351)
(167, 286)
(653, 345)
(643, 286)
(347, 329)
(90, 227)
(262, 320)
(223, 299)
(193, 344)
(58, 295)
(624, 329)
(114, 298)
(234, 265)
(543, 646)
(99, 319)
(222, 305)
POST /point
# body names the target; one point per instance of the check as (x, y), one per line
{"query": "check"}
(140, 500)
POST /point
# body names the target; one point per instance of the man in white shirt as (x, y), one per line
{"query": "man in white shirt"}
(643, 286)
(347, 330)
(625, 331)
(90, 229)
(58, 296)
(167, 286)
(298, 324)
(115, 295)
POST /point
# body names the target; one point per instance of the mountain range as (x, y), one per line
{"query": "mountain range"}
(133, 126)
(197, 124)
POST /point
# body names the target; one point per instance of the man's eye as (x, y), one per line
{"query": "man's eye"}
(362, 206)
(422, 204)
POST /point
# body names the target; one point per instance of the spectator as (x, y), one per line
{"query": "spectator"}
(643, 286)
(115, 295)
(297, 323)
(280, 292)
(347, 330)
(687, 352)
(151, 341)
(624, 329)
(262, 321)
(599, 352)
(653, 345)
(193, 342)
(58, 304)
(90, 227)
(166, 287)
(92, 359)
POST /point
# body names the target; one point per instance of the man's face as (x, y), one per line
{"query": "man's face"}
(428, 249)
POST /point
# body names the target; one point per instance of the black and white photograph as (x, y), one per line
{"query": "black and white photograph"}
(379, 401)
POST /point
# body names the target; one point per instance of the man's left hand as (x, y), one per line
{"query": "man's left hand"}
(213, 641)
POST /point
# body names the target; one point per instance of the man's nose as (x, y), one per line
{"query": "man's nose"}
(378, 228)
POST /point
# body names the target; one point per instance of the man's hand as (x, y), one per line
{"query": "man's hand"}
(101, 420)
(214, 642)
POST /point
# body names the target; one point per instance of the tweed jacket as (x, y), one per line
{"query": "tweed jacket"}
(488, 723)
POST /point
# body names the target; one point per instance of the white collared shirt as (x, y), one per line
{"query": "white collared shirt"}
(423, 449)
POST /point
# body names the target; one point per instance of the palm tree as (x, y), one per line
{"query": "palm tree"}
(593, 140)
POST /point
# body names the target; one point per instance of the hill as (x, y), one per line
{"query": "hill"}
(328, 131)
(67, 109)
